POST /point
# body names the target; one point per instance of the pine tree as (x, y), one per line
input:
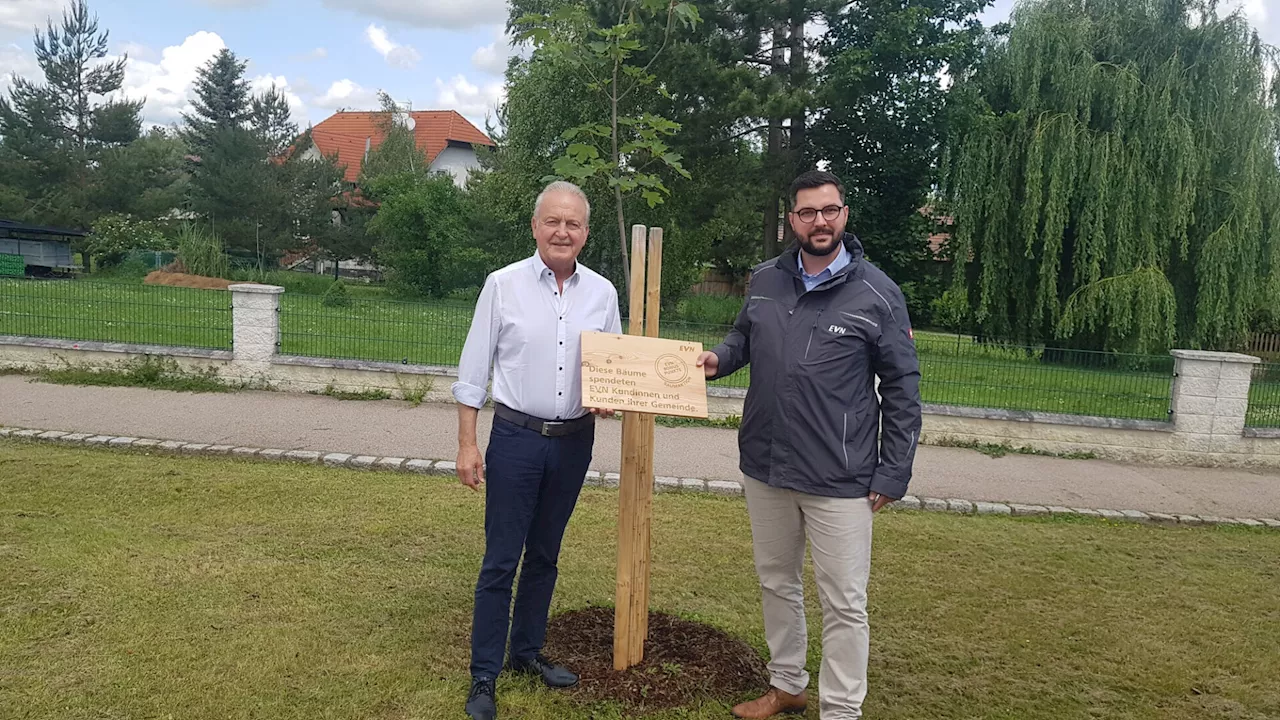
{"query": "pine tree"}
(1119, 188)
(271, 120)
(222, 100)
(52, 135)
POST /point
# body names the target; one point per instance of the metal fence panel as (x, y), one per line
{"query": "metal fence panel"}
(116, 312)
(1264, 397)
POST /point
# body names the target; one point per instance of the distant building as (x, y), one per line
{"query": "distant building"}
(447, 139)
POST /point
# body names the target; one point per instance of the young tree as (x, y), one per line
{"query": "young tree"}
(1119, 189)
(618, 146)
(398, 152)
(53, 135)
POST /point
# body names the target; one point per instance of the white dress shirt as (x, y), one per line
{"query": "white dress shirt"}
(527, 332)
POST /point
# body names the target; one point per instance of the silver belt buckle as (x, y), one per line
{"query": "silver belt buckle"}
(547, 425)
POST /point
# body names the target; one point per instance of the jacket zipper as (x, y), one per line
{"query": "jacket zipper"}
(811, 331)
(844, 441)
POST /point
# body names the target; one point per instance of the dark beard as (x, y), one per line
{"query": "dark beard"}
(816, 251)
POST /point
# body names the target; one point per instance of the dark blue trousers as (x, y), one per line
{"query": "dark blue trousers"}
(531, 487)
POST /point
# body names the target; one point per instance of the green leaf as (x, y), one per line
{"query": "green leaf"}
(652, 197)
(582, 152)
(688, 14)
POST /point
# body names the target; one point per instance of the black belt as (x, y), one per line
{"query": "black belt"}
(545, 428)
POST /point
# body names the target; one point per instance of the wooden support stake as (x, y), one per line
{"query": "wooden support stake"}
(634, 462)
(644, 504)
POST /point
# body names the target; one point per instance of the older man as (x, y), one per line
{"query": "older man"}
(525, 335)
(819, 451)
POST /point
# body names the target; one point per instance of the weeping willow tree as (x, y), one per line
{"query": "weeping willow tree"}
(1118, 186)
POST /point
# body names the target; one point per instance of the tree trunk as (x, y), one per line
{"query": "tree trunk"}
(617, 190)
(774, 162)
(798, 78)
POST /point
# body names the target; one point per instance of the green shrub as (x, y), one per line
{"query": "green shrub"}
(114, 236)
(709, 309)
(336, 295)
(201, 252)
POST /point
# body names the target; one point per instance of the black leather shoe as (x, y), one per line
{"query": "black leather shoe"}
(481, 704)
(556, 676)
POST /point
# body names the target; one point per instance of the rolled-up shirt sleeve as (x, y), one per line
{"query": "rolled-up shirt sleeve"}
(471, 388)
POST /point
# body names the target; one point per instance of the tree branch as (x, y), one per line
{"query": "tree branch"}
(671, 15)
(748, 131)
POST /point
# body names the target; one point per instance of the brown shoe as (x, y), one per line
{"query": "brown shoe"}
(774, 702)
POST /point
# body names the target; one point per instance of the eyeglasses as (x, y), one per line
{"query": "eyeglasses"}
(829, 213)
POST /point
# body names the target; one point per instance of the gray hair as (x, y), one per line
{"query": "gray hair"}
(561, 186)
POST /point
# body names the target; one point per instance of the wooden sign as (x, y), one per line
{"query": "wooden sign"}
(643, 374)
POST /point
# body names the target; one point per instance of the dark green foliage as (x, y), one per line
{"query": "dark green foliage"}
(1119, 187)
(421, 232)
(54, 134)
(884, 116)
(270, 118)
(222, 101)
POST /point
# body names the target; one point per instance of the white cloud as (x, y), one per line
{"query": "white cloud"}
(166, 86)
(473, 101)
(20, 18)
(452, 14)
(396, 55)
(17, 61)
(492, 58)
(1256, 10)
(347, 94)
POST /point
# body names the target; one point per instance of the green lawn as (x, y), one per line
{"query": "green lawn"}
(956, 370)
(153, 586)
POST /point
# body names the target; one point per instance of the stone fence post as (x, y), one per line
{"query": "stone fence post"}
(255, 319)
(1211, 398)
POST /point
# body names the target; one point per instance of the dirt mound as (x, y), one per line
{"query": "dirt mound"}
(171, 279)
(685, 662)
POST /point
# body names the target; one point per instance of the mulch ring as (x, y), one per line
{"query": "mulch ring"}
(685, 662)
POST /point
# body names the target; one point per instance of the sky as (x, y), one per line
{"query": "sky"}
(329, 54)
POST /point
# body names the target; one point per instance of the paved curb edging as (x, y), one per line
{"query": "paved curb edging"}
(422, 466)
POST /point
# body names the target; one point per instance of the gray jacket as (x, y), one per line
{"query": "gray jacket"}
(812, 416)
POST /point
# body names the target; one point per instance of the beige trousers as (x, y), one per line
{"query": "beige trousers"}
(839, 532)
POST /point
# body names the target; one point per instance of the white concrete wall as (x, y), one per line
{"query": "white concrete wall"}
(1210, 393)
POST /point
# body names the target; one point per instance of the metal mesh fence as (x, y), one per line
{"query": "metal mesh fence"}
(1264, 397)
(115, 312)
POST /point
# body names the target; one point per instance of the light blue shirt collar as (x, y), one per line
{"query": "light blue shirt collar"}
(813, 281)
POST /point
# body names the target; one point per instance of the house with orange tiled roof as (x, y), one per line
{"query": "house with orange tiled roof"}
(448, 140)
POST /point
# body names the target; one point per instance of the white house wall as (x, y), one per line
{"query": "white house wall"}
(457, 162)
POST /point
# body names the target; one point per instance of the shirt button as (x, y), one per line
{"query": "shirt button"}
(559, 393)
